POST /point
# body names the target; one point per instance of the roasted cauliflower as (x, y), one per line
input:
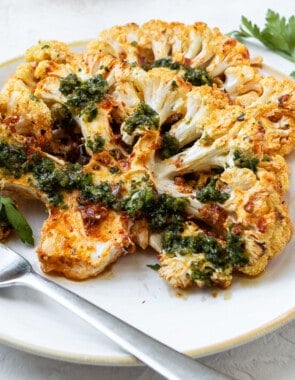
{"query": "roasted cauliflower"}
(163, 135)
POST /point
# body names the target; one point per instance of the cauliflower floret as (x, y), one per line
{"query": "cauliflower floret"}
(163, 95)
(194, 257)
(49, 50)
(184, 271)
(194, 45)
(85, 75)
(202, 103)
(277, 124)
(156, 35)
(26, 73)
(24, 113)
(83, 240)
(163, 91)
(275, 232)
(120, 41)
(253, 214)
(90, 234)
(241, 80)
(127, 99)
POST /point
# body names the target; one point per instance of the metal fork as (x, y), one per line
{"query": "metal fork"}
(15, 270)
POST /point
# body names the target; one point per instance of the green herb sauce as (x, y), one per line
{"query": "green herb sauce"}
(169, 146)
(95, 144)
(61, 116)
(197, 77)
(13, 159)
(209, 193)
(245, 160)
(83, 96)
(161, 210)
(143, 116)
(233, 252)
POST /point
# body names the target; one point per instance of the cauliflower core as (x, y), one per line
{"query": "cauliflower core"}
(162, 135)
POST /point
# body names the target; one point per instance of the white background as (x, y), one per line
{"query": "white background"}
(22, 24)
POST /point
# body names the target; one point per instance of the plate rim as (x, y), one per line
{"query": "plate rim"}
(131, 361)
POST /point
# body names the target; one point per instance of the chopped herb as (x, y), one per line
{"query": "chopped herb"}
(53, 179)
(155, 267)
(90, 111)
(160, 210)
(206, 139)
(197, 77)
(186, 245)
(169, 146)
(245, 160)
(9, 213)
(173, 242)
(114, 170)
(34, 98)
(209, 193)
(45, 47)
(13, 159)
(95, 144)
(166, 211)
(139, 184)
(235, 248)
(135, 202)
(143, 116)
(220, 255)
(214, 251)
(203, 275)
(133, 43)
(101, 193)
(83, 96)
(174, 85)
(164, 62)
(61, 116)
(69, 84)
(105, 68)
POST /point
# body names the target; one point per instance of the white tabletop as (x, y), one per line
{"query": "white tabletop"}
(22, 24)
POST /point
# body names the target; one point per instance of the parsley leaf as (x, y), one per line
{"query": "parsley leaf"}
(278, 33)
(155, 267)
(17, 221)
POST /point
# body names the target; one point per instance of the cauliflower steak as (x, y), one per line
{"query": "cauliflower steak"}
(163, 135)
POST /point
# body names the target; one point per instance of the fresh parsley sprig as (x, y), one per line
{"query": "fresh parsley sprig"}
(9, 211)
(278, 34)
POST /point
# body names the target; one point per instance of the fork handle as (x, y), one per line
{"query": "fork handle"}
(163, 359)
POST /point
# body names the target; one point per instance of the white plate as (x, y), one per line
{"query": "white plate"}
(192, 321)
